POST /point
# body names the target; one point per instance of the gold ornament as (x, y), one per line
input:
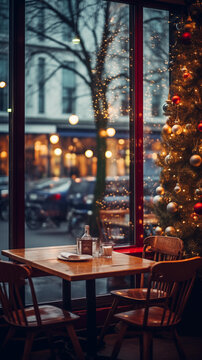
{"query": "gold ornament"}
(195, 160)
(190, 25)
(172, 207)
(158, 230)
(166, 129)
(160, 190)
(157, 200)
(170, 230)
(177, 129)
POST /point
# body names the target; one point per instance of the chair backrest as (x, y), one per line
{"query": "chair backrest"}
(176, 278)
(162, 248)
(12, 279)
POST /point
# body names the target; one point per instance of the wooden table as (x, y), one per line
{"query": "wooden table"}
(45, 259)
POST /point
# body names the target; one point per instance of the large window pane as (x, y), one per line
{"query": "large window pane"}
(77, 120)
(156, 85)
(4, 138)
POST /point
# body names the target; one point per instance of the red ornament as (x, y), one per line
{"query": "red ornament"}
(176, 99)
(186, 36)
(186, 75)
(198, 208)
(200, 127)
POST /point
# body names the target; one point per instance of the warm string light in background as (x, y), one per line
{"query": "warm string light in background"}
(73, 119)
(3, 84)
(54, 139)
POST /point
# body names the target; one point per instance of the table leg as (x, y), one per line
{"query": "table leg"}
(66, 294)
(91, 317)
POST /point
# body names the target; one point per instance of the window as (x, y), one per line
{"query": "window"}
(68, 89)
(93, 85)
(41, 84)
(4, 17)
(156, 85)
(41, 23)
(4, 77)
(66, 29)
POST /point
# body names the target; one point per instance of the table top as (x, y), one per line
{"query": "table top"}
(45, 259)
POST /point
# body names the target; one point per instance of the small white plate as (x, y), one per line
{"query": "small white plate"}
(75, 257)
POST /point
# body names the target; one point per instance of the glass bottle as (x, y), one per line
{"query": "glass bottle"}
(85, 243)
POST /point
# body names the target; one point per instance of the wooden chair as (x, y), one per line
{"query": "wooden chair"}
(175, 278)
(157, 248)
(35, 320)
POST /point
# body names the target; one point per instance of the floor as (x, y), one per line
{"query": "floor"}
(163, 349)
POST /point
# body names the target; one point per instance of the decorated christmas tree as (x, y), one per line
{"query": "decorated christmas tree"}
(178, 200)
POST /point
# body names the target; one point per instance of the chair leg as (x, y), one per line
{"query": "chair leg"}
(141, 346)
(9, 335)
(119, 341)
(75, 342)
(28, 345)
(51, 345)
(107, 321)
(178, 345)
(147, 346)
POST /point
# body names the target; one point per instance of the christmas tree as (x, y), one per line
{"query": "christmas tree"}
(178, 200)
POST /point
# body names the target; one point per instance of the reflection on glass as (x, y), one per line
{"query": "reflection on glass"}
(156, 85)
(4, 138)
(79, 93)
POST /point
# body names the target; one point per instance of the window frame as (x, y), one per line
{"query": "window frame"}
(17, 117)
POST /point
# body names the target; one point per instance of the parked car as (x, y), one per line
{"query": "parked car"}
(46, 201)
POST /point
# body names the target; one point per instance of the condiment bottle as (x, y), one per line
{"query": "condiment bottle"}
(85, 242)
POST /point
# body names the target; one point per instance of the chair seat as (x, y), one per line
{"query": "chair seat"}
(50, 315)
(135, 317)
(139, 294)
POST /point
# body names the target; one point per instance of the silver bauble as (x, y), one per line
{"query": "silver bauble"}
(170, 230)
(166, 109)
(160, 190)
(157, 199)
(168, 159)
(177, 188)
(177, 129)
(172, 207)
(158, 230)
(195, 160)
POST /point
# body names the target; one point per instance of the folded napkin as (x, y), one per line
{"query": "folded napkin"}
(70, 256)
